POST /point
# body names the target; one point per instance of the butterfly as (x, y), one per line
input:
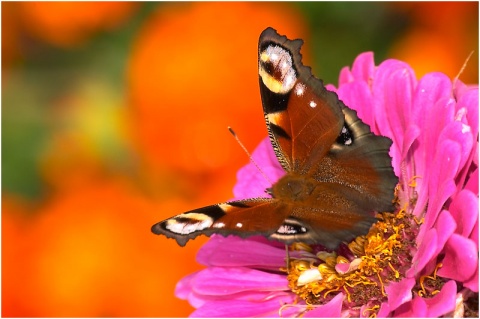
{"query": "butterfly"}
(338, 173)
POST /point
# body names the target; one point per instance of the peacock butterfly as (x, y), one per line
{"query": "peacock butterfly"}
(338, 173)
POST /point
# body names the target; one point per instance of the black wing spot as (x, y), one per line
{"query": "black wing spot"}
(345, 137)
(291, 227)
(269, 68)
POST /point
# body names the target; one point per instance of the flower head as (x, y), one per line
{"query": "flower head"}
(421, 260)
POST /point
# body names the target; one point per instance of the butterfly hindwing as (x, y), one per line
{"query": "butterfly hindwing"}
(363, 163)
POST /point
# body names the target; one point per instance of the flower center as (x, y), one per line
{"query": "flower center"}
(360, 270)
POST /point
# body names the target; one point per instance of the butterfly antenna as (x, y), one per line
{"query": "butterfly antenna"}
(249, 155)
(462, 69)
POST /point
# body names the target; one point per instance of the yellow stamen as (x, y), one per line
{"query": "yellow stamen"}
(381, 284)
(301, 246)
(423, 291)
(397, 274)
(373, 310)
(413, 182)
(419, 221)
(330, 291)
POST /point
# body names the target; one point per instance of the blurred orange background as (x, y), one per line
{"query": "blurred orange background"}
(114, 117)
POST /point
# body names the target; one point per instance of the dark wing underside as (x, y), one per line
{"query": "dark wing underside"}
(257, 216)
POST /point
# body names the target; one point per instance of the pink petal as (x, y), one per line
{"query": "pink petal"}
(474, 234)
(445, 227)
(472, 283)
(431, 88)
(184, 286)
(233, 251)
(443, 302)
(345, 77)
(410, 136)
(364, 312)
(331, 87)
(461, 259)
(242, 308)
(223, 281)
(426, 147)
(417, 308)
(441, 181)
(469, 100)
(459, 88)
(398, 95)
(183, 290)
(344, 268)
(399, 292)
(433, 107)
(392, 90)
(426, 251)
(475, 158)
(197, 300)
(472, 182)
(357, 96)
(384, 311)
(332, 309)
(363, 67)
(250, 182)
(455, 131)
(464, 209)
(467, 115)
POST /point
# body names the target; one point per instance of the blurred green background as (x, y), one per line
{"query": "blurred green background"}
(114, 117)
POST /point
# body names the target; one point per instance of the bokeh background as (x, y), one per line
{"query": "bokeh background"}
(114, 117)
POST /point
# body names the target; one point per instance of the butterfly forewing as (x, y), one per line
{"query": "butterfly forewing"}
(303, 118)
(241, 218)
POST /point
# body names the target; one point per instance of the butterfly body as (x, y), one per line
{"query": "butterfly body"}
(338, 173)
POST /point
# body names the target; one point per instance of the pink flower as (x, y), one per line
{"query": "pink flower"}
(421, 260)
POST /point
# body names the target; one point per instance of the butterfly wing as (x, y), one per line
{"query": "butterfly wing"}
(303, 118)
(361, 166)
(244, 218)
(328, 217)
